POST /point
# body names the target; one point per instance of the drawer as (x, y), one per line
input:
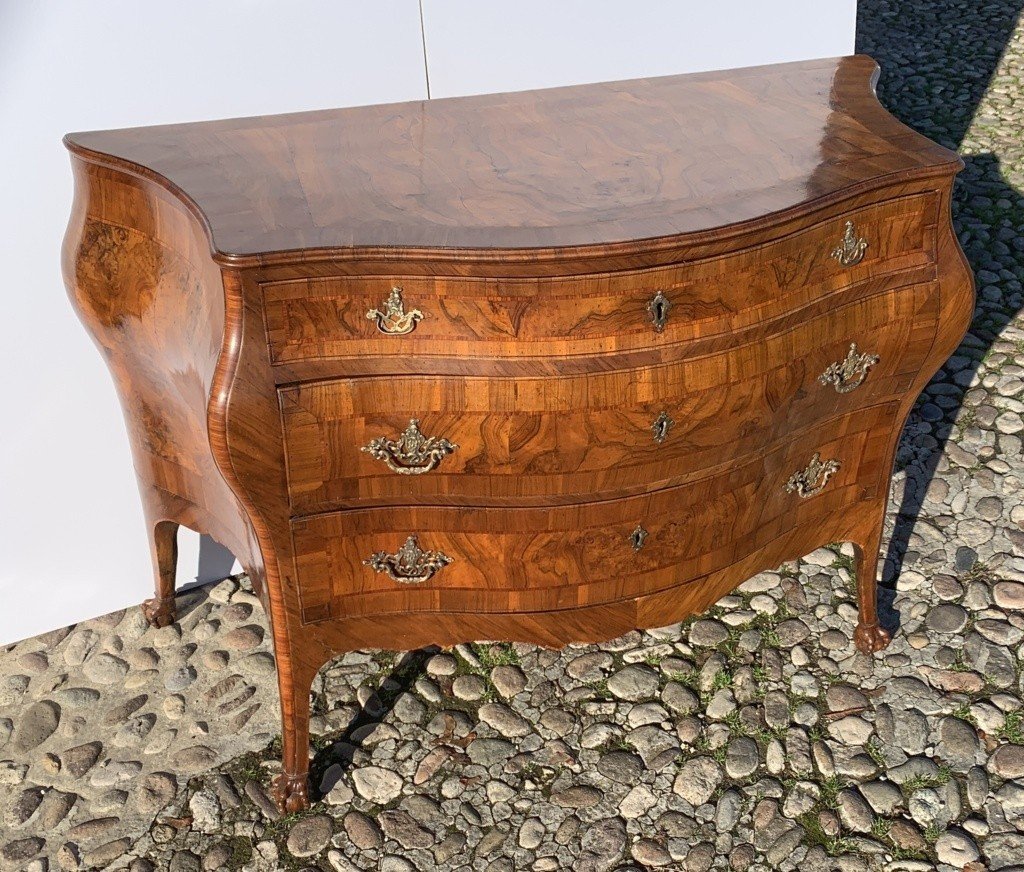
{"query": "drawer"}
(376, 561)
(523, 441)
(324, 318)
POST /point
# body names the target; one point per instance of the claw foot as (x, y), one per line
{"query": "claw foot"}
(291, 793)
(159, 611)
(870, 638)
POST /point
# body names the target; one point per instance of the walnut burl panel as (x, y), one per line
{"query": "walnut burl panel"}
(595, 313)
(553, 438)
(564, 167)
(657, 336)
(535, 559)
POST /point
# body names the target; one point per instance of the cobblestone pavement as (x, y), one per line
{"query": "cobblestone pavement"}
(753, 737)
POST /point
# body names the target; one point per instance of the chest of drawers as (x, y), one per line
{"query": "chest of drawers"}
(546, 366)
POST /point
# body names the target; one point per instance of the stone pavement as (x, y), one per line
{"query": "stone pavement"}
(753, 737)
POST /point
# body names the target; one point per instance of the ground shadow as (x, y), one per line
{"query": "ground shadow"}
(337, 748)
(938, 59)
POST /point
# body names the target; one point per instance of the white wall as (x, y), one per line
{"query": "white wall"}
(72, 540)
(479, 47)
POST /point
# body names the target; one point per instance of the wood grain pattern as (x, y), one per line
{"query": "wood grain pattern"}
(530, 439)
(139, 275)
(545, 169)
(225, 270)
(596, 313)
(536, 559)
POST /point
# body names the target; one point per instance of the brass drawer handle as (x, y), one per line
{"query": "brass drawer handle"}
(848, 374)
(412, 453)
(662, 424)
(410, 564)
(394, 320)
(851, 248)
(638, 537)
(658, 309)
(812, 480)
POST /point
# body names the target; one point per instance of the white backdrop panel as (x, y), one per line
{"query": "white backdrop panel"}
(479, 48)
(72, 539)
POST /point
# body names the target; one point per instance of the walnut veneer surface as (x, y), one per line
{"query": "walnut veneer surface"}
(545, 366)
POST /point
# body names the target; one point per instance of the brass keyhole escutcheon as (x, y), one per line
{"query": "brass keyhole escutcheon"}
(662, 424)
(658, 308)
(638, 537)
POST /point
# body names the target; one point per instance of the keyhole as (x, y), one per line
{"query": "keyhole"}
(638, 537)
(662, 424)
(658, 309)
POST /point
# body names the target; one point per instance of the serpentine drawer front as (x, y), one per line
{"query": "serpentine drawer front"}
(543, 559)
(547, 366)
(603, 434)
(327, 317)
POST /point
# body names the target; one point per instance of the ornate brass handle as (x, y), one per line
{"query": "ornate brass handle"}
(851, 248)
(638, 537)
(812, 479)
(412, 453)
(410, 564)
(662, 424)
(658, 309)
(848, 374)
(392, 318)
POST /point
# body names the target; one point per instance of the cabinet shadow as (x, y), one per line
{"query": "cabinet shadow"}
(938, 59)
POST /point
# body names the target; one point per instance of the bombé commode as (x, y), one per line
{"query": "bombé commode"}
(546, 366)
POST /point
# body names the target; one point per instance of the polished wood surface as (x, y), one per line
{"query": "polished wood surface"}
(550, 439)
(595, 313)
(226, 270)
(544, 559)
(537, 169)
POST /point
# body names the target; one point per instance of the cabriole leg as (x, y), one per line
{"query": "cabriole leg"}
(160, 611)
(869, 636)
(291, 787)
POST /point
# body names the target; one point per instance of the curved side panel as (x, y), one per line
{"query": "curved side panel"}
(957, 284)
(864, 529)
(138, 271)
(245, 432)
(188, 354)
(956, 309)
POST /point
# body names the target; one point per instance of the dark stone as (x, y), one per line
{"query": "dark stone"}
(965, 558)
(20, 850)
(185, 861)
(24, 806)
(80, 759)
(621, 766)
(947, 618)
